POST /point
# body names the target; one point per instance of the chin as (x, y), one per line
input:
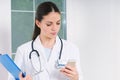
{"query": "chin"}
(53, 36)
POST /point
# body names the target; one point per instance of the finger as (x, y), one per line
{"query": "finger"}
(20, 75)
(70, 68)
(66, 70)
(67, 74)
(28, 77)
(72, 75)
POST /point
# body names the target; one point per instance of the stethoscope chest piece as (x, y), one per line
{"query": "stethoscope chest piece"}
(60, 63)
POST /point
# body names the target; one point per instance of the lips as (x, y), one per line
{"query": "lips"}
(54, 33)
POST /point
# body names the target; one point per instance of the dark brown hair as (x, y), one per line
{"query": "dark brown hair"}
(43, 9)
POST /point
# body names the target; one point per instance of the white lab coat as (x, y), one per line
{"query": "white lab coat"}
(50, 72)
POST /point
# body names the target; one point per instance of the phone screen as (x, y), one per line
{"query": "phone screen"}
(71, 63)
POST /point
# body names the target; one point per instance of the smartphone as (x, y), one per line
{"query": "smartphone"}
(71, 63)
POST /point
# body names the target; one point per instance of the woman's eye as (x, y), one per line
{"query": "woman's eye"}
(58, 23)
(48, 24)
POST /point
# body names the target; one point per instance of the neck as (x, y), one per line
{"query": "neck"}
(47, 42)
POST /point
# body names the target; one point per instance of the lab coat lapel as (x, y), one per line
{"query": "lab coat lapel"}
(48, 65)
(38, 46)
(55, 52)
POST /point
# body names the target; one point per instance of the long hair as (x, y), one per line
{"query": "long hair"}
(43, 9)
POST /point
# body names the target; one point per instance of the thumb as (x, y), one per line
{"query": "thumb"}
(20, 75)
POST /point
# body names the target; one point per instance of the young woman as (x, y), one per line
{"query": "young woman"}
(47, 57)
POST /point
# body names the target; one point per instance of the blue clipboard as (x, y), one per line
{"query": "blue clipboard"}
(9, 64)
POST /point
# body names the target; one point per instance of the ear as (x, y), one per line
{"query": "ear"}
(37, 23)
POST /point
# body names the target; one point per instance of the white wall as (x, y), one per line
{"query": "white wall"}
(94, 25)
(5, 26)
(5, 32)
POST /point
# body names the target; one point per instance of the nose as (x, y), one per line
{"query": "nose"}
(54, 27)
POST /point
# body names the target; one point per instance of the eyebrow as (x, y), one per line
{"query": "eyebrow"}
(59, 20)
(51, 21)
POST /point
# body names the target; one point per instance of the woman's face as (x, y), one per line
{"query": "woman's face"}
(50, 25)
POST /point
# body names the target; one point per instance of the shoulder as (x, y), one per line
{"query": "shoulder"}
(25, 45)
(22, 50)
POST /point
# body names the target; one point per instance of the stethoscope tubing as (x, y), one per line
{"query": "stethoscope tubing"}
(33, 50)
(38, 52)
(60, 48)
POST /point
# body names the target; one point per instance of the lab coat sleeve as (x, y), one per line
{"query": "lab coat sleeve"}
(19, 58)
(19, 61)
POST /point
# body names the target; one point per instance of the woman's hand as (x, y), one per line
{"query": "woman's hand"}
(70, 72)
(27, 77)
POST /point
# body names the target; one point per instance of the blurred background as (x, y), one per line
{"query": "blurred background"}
(93, 25)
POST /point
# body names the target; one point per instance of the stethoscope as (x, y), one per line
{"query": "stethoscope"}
(36, 53)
